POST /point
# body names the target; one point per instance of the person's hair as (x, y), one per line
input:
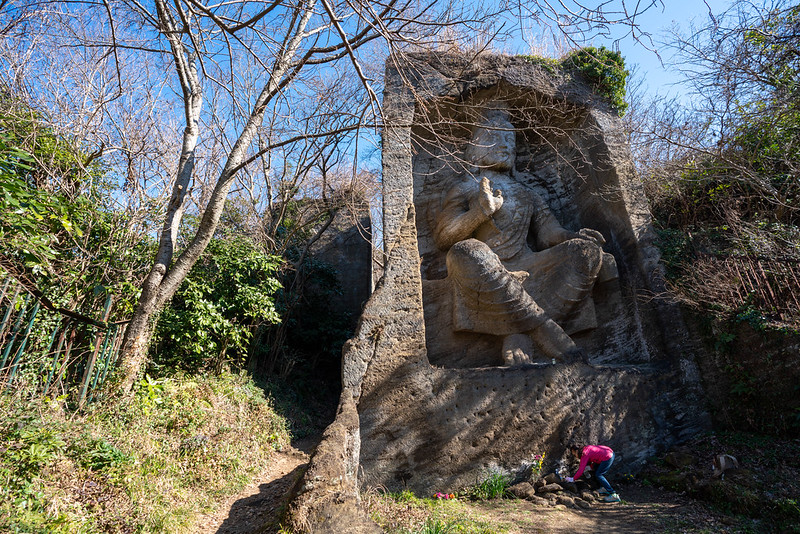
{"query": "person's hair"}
(574, 447)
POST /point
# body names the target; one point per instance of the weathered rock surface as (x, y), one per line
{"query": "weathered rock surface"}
(549, 488)
(523, 490)
(565, 500)
(434, 410)
(538, 501)
(551, 478)
(346, 246)
(326, 499)
(430, 419)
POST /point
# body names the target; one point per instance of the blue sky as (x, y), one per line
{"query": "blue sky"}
(657, 21)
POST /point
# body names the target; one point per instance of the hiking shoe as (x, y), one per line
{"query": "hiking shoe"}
(602, 491)
(611, 498)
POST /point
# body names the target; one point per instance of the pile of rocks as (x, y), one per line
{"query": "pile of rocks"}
(551, 490)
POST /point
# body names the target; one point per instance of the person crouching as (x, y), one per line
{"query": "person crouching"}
(600, 458)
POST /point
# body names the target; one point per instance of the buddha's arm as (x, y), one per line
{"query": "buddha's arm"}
(549, 231)
(464, 209)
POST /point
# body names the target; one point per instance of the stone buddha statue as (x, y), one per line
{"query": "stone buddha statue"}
(500, 285)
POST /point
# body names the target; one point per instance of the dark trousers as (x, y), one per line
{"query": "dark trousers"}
(600, 473)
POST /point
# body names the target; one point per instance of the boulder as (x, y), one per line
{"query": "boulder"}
(549, 488)
(580, 503)
(552, 478)
(523, 490)
(723, 463)
(565, 500)
(570, 486)
(538, 501)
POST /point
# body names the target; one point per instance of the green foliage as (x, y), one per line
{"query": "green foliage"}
(97, 454)
(29, 448)
(746, 170)
(226, 296)
(494, 486)
(551, 65)
(404, 513)
(675, 249)
(752, 316)
(437, 526)
(33, 219)
(605, 69)
(404, 496)
(141, 466)
(56, 228)
(773, 47)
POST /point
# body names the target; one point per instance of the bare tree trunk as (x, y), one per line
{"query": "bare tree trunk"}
(164, 279)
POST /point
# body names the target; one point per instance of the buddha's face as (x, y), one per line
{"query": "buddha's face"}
(493, 146)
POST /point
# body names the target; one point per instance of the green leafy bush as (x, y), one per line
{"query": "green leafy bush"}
(226, 296)
(141, 466)
(605, 69)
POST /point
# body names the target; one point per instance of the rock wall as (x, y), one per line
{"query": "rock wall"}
(347, 247)
(429, 422)
(431, 425)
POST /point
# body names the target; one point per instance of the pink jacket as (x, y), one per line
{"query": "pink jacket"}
(593, 454)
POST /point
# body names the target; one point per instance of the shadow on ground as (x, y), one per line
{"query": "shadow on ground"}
(261, 513)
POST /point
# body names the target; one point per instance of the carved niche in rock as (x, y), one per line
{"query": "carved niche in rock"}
(518, 284)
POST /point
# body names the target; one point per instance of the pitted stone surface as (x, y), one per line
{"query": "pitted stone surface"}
(435, 413)
(442, 417)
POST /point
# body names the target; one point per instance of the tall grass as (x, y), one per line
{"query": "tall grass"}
(152, 464)
(494, 486)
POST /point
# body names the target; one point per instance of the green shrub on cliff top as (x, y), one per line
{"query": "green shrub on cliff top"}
(603, 68)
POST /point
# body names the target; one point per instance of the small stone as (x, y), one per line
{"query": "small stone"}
(523, 490)
(570, 486)
(549, 488)
(566, 501)
(538, 501)
(580, 503)
(588, 496)
(560, 507)
(552, 478)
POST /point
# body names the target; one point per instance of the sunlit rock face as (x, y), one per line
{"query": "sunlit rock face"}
(521, 302)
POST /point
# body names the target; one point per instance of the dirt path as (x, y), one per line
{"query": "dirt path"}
(258, 506)
(644, 510)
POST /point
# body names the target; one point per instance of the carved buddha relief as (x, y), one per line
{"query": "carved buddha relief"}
(517, 280)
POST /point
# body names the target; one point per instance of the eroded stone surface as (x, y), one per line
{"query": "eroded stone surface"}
(512, 270)
(438, 407)
(443, 416)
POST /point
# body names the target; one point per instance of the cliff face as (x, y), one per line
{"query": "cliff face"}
(438, 408)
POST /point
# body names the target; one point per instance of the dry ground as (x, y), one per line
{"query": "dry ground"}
(259, 506)
(644, 510)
